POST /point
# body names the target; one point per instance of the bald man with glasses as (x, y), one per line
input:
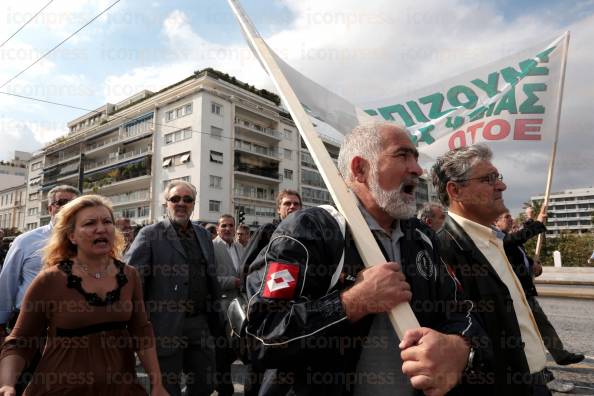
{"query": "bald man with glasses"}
(175, 259)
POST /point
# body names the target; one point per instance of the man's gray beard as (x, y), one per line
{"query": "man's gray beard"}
(392, 202)
(179, 222)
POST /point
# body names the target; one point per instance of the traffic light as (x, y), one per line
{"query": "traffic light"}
(241, 216)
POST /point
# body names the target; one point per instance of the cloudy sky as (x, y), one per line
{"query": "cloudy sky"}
(360, 50)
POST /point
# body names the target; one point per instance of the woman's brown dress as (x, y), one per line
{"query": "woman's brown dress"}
(90, 341)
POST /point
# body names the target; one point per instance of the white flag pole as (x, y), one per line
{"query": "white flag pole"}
(554, 148)
(401, 316)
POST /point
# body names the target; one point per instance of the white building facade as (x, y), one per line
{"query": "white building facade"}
(12, 207)
(570, 211)
(232, 141)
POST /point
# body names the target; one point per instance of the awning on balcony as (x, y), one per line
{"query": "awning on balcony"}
(139, 119)
(185, 158)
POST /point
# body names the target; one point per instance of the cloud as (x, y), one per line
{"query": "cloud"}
(26, 136)
(187, 51)
(364, 51)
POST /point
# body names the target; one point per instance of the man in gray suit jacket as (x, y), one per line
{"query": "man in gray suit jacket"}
(175, 259)
(228, 255)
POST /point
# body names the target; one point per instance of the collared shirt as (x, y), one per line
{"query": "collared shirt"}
(490, 244)
(22, 264)
(233, 250)
(197, 281)
(379, 353)
(390, 241)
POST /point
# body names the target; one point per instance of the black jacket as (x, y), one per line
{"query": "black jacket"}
(513, 243)
(494, 307)
(305, 333)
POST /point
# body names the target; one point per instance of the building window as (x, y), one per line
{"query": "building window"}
(177, 159)
(183, 158)
(183, 178)
(36, 165)
(178, 112)
(214, 206)
(31, 226)
(216, 157)
(34, 196)
(289, 174)
(288, 134)
(288, 154)
(35, 181)
(32, 211)
(178, 136)
(216, 182)
(216, 133)
(216, 108)
(143, 211)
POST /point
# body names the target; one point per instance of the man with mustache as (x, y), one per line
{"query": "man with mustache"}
(318, 318)
(472, 188)
(176, 263)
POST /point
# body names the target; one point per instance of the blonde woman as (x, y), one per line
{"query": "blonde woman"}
(91, 305)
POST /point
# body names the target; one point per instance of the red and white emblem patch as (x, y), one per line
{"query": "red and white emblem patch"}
(281, 280)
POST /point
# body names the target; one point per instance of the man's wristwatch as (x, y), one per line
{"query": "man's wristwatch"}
(470, 363)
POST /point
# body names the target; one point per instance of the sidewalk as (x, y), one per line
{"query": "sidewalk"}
(567, 276)
(569, 282)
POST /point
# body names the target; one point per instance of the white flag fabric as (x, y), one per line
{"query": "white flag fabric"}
(511, 100)
(514, 100)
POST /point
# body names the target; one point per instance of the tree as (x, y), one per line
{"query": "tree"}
(575, 249)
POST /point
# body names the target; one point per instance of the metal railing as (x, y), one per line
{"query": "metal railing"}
(257, 128)
(116, 157)
(257, 171)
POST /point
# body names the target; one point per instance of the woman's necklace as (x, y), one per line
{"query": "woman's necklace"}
(97, 274)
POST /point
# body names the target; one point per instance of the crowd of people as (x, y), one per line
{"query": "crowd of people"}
(81, 297)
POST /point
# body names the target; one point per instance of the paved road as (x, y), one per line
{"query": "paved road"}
(574, 321)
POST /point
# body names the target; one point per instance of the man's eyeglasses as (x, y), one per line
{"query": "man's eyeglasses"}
(491, 178)
(60, 202)
(176, 198)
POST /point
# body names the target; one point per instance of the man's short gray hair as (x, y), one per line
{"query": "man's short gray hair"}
(455, 165)
(426, 212)
(176, 183)
(51, 195)
(364, 141)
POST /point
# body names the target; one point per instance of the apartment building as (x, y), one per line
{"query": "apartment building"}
(16, 166)
(231, 140)
(570, 211)
(12, 207)
(33, 195)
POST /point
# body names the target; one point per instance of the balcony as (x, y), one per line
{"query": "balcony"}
(116, 157)
(261, 151)
(258, 129)
(259, 172)
(49, 162)
(114, 140)
(113, 176)
(254, 195)
(129, 198)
